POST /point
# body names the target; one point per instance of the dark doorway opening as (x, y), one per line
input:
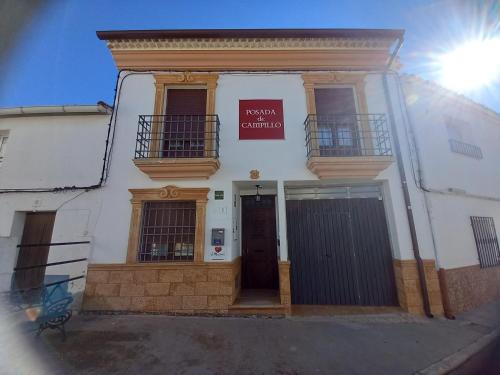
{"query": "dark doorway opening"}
(259, 243)
(37, 231)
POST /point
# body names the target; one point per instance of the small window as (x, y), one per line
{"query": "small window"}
(466, 149)
(325, 136)
(344, 136)
(3, 143)
(460, 138)
(168, 231)
(486, 241)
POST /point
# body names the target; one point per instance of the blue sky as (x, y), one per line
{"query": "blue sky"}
(57, 58)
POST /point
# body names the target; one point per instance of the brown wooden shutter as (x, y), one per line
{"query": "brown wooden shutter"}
(184, 127)
(186, 102)
(334, 101)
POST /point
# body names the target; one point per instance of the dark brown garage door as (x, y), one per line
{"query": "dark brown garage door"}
(340, 252)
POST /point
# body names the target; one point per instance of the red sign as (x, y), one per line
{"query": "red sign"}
(261, 119)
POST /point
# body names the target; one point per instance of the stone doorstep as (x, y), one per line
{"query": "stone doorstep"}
(339, 310)
(262, 310)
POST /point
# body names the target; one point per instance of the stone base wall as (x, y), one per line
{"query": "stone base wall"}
(408, 286)
(184, 288)
(285, 293)
(468, 287)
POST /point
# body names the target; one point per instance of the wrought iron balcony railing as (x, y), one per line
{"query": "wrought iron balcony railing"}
(177, 136)
(347, 135)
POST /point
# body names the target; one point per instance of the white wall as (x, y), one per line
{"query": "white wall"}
(278, 161)
(473, 179)
(444, 169)
(8, 254)
(454, 236)
(51, 151)
(418, 204)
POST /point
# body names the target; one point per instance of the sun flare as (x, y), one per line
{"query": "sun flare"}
(471, 66)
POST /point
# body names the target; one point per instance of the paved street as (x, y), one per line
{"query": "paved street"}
(394, 343)
(486, 362)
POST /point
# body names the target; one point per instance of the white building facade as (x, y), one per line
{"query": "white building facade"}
(457, 171)
(291, 129)
(247, 165)
(45, 148)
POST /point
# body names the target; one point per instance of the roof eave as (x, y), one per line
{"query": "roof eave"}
(250, 33)
(100, 108)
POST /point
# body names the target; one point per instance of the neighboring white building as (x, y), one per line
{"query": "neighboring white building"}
(45, 148)
(455, 144)
(249, 159)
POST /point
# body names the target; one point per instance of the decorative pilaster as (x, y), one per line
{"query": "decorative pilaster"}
(199, 242)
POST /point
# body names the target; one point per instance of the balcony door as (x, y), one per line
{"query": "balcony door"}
(337, 122)
(184, 126)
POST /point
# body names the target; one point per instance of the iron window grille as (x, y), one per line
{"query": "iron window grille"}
(3, 142)
(347, 135)
(466, 149)
(486, 241)
(168, 231)
(177, 136)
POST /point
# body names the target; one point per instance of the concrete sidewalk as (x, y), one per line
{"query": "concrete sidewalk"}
(156, 344)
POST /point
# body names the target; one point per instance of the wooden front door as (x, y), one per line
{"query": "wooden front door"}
(260, 259)
(37, 230)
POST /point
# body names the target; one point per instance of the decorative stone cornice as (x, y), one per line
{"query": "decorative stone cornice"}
(249, 43)
(364, 167)
(185, 168)
(169, 193)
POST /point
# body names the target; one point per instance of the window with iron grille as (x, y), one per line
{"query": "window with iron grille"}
(3, 142)
(466, 149)
(168, 231)
(460, 138)
(486, 241)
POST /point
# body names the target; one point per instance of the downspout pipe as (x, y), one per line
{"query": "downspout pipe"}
(406, 193)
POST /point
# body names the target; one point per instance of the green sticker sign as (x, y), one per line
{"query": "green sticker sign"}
(219, 194)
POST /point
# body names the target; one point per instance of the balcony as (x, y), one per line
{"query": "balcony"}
(177, 146)
(347, 146)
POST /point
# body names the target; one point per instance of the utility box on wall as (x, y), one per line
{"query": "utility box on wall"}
(218, 236)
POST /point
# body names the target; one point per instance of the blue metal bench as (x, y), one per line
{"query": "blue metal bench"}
(51, 300)
(55, 309)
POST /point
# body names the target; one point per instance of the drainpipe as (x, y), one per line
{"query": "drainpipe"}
(406, 194)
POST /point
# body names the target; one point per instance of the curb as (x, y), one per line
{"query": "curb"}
(456, 359)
